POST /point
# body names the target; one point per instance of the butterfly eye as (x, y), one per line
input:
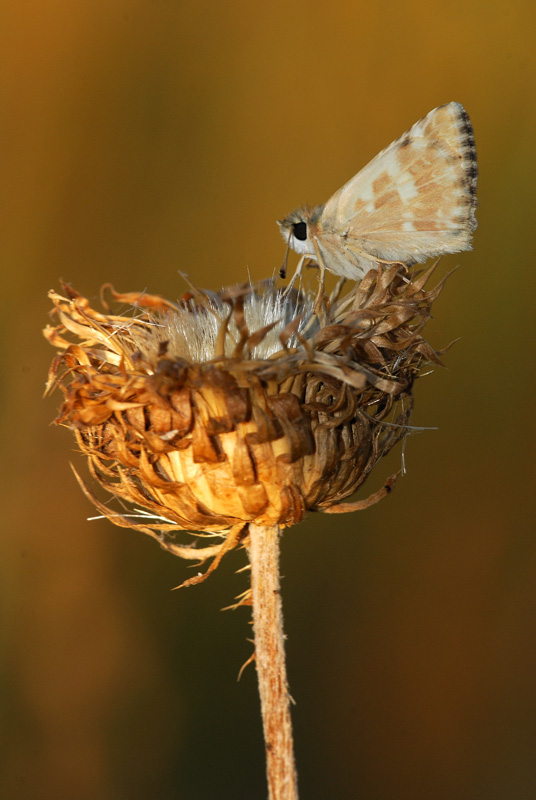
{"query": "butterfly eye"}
(299, 230)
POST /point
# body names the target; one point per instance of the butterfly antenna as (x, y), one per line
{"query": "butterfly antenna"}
(283, 267)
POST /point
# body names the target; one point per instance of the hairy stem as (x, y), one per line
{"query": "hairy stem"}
(263, 552)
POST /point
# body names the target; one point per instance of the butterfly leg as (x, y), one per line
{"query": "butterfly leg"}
(336, 293)
(373, 259)
(296, 273)
(321, 280)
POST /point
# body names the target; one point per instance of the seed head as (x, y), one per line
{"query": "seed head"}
(238, 406)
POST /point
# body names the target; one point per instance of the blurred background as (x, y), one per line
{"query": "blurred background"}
(138, 139)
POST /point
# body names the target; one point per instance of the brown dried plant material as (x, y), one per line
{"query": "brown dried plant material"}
(238, 407)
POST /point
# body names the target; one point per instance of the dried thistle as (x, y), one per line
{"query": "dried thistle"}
(229, 415)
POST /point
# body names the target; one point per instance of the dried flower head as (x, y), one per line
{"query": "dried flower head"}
(239, 406)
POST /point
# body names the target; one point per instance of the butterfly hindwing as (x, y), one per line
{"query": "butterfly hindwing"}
(415, 199)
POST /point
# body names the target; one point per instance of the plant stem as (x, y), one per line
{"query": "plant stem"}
(263, 552)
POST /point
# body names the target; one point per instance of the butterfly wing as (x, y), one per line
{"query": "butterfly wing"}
(414, 200)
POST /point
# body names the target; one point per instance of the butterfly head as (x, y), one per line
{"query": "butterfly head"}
(297, 228)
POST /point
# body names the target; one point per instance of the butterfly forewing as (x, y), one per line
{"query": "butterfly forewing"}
(414, 200)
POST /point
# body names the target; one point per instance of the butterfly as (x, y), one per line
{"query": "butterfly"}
(414, 200)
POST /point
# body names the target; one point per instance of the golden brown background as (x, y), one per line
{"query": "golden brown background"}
(142, 138)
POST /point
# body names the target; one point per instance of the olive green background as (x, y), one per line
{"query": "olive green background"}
(138, 139)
